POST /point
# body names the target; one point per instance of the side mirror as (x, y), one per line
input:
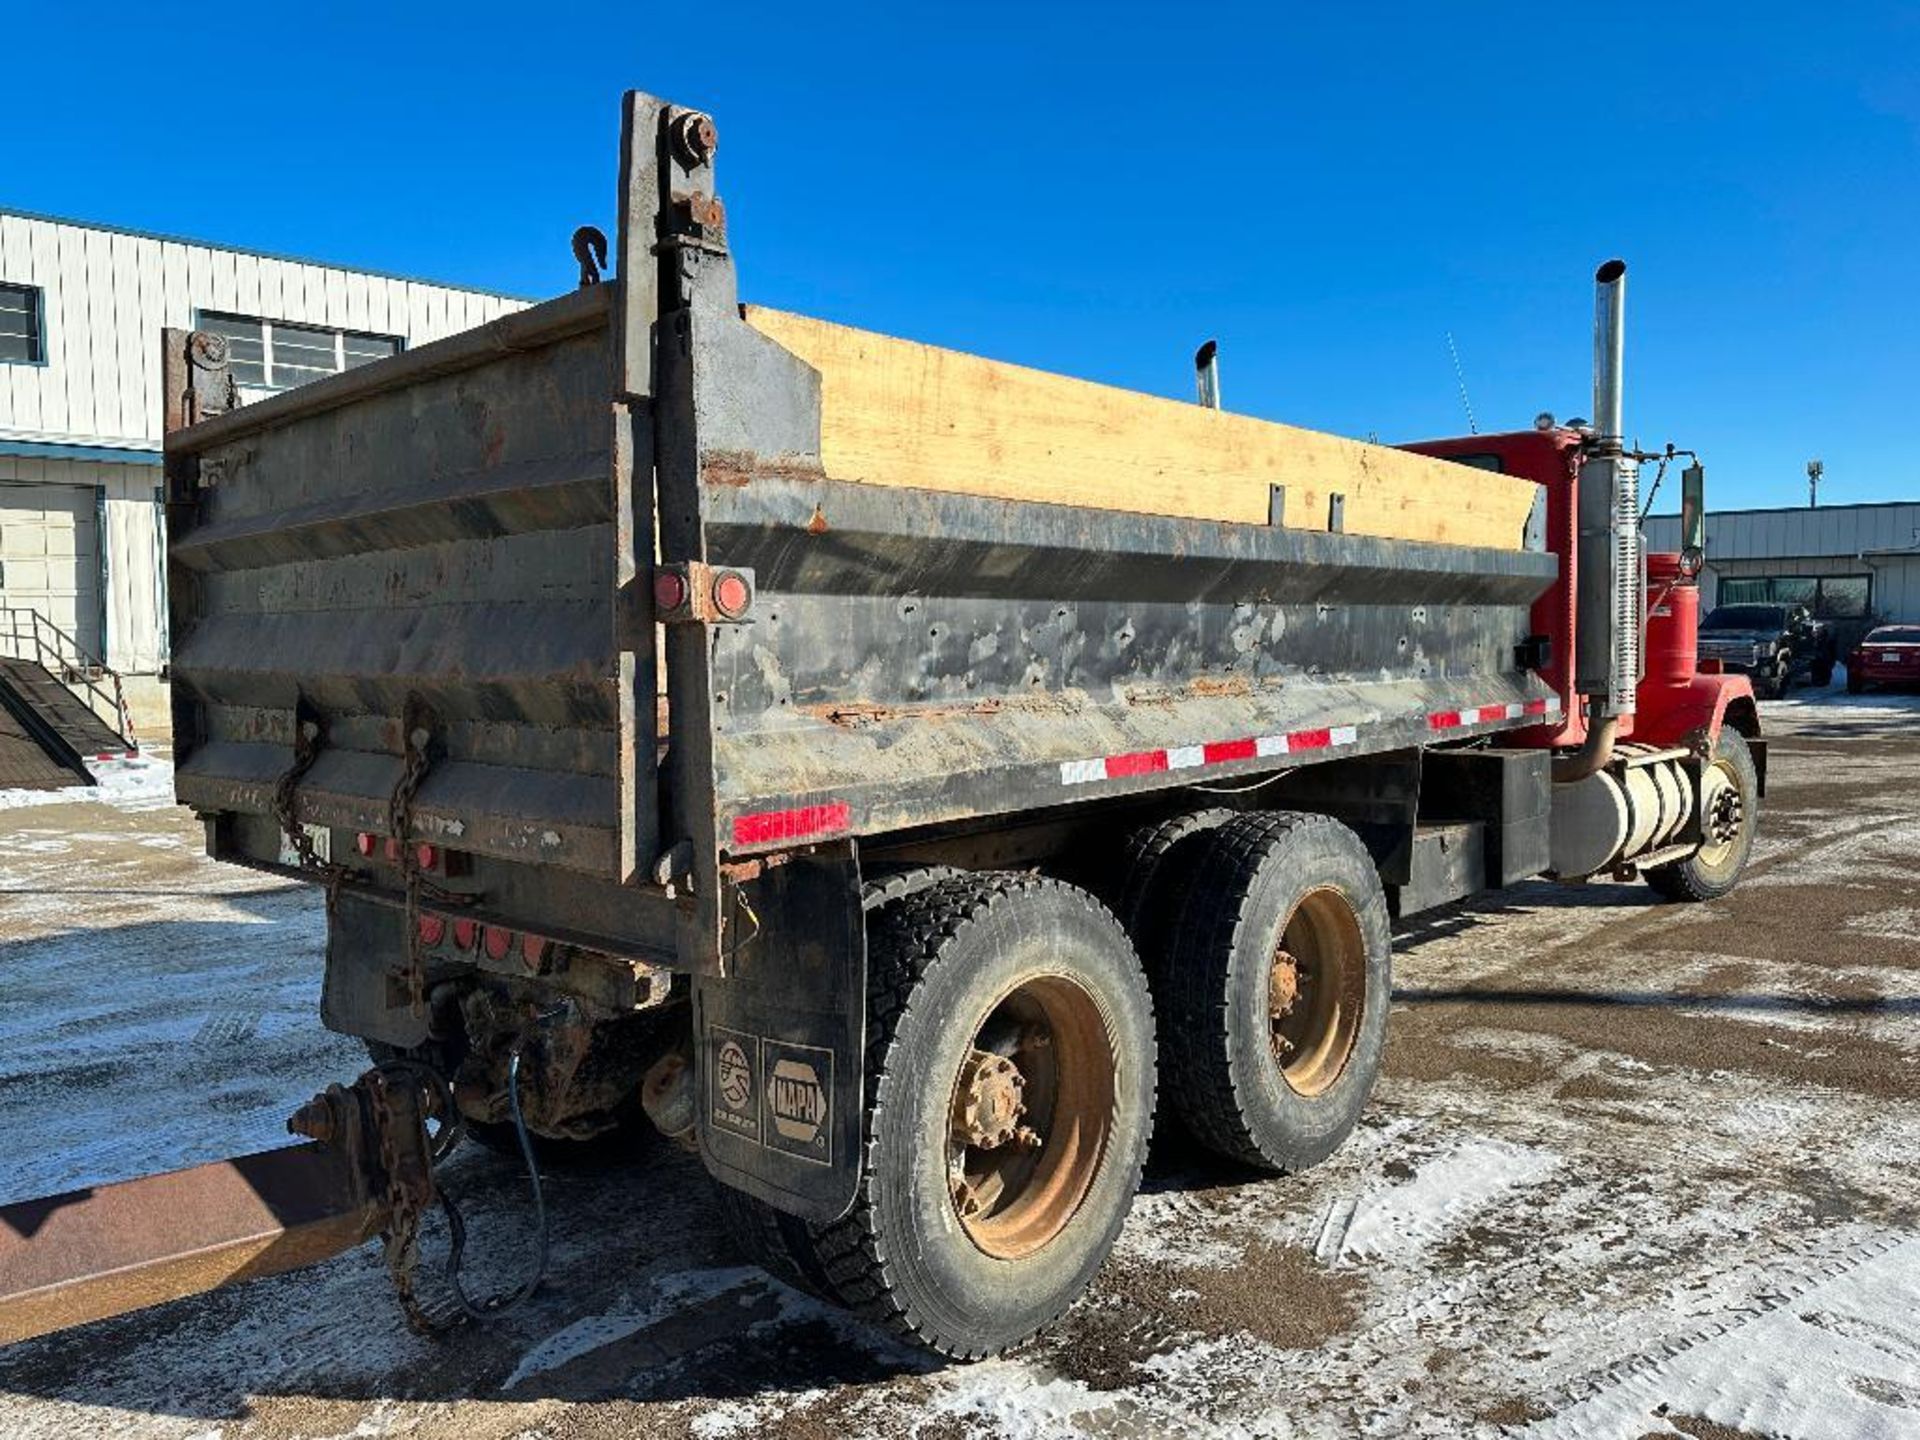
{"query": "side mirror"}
(1693, 518)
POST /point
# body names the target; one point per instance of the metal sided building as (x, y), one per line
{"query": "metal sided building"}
(1845, 562)
(81, 311)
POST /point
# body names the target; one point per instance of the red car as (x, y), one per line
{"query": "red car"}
(1888, 656)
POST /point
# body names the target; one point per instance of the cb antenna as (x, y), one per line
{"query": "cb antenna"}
(1460, 375)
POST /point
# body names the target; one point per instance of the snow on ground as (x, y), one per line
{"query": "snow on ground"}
(162, 1006)
(138, 782)
(1632, 1170)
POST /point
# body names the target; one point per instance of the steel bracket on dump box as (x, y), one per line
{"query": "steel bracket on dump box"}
(780, 1043)
(726, 402)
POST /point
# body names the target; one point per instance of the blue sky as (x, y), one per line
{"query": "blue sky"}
(1328, 189)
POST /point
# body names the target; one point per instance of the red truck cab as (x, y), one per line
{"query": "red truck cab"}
(1675, 703)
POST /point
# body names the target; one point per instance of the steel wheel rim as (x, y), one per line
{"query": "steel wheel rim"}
(1721, 804)
(1018, 1173)
(1317, 991)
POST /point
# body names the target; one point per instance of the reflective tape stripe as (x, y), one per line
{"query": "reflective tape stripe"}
(805, 823)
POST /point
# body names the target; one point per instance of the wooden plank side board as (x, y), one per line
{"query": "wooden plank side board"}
(896, 412)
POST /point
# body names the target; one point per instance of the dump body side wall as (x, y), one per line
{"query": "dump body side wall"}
(916, 657)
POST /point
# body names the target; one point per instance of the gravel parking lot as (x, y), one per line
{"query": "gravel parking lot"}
(1634, 1169)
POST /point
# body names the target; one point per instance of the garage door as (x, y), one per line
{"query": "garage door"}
(50, 556)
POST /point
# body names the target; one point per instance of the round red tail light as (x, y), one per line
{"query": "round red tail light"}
(731, 595)
(669, 590)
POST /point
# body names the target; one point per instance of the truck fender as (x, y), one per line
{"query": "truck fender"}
(1677, 715)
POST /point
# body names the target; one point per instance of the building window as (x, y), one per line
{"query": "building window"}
(22, 335)
(277, 355)
(1829, 597)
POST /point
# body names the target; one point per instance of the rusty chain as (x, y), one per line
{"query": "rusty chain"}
(407, 1178)
(308, 736)
(407, 1154)
(416, 761)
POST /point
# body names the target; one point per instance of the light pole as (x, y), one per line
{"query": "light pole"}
(1815, 469)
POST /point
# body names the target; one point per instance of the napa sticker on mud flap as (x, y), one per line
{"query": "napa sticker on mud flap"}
(799, 1100)
(734, 1085)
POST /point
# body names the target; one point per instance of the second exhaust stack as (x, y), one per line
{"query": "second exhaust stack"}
(1609, 351)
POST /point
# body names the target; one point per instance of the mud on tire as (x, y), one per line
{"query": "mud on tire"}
(1274, 999)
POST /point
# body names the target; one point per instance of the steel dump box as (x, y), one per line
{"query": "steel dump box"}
(587, 570)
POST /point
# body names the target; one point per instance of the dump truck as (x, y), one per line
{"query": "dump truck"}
(898, 776)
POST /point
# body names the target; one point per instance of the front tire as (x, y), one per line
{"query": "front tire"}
(1730, 813)
(1275, 995)
(1010, 1082)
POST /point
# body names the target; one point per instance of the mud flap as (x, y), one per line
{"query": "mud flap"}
(366, 943)
(780, 1040)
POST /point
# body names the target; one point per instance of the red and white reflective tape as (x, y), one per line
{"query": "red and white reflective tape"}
(1260, 747)
(1441, 720)
(1216, 752)
(815, 822)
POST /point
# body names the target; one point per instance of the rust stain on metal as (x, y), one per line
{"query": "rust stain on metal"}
(742, 467)
(1220, 686)
(1204, 687)
(855, 714)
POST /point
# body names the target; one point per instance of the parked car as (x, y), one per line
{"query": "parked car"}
(1777, 645)
(1889, 655)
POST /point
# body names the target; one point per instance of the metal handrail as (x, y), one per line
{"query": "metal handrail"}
(29, 635)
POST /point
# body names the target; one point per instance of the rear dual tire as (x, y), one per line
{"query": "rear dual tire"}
(1275, 989)
(1009, 1011)
(1235, 909)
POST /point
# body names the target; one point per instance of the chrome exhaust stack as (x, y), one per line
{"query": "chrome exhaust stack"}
(1206, 374)
(1608, 587)
(1609, 351)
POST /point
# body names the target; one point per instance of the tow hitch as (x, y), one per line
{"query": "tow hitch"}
(366, 1170)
